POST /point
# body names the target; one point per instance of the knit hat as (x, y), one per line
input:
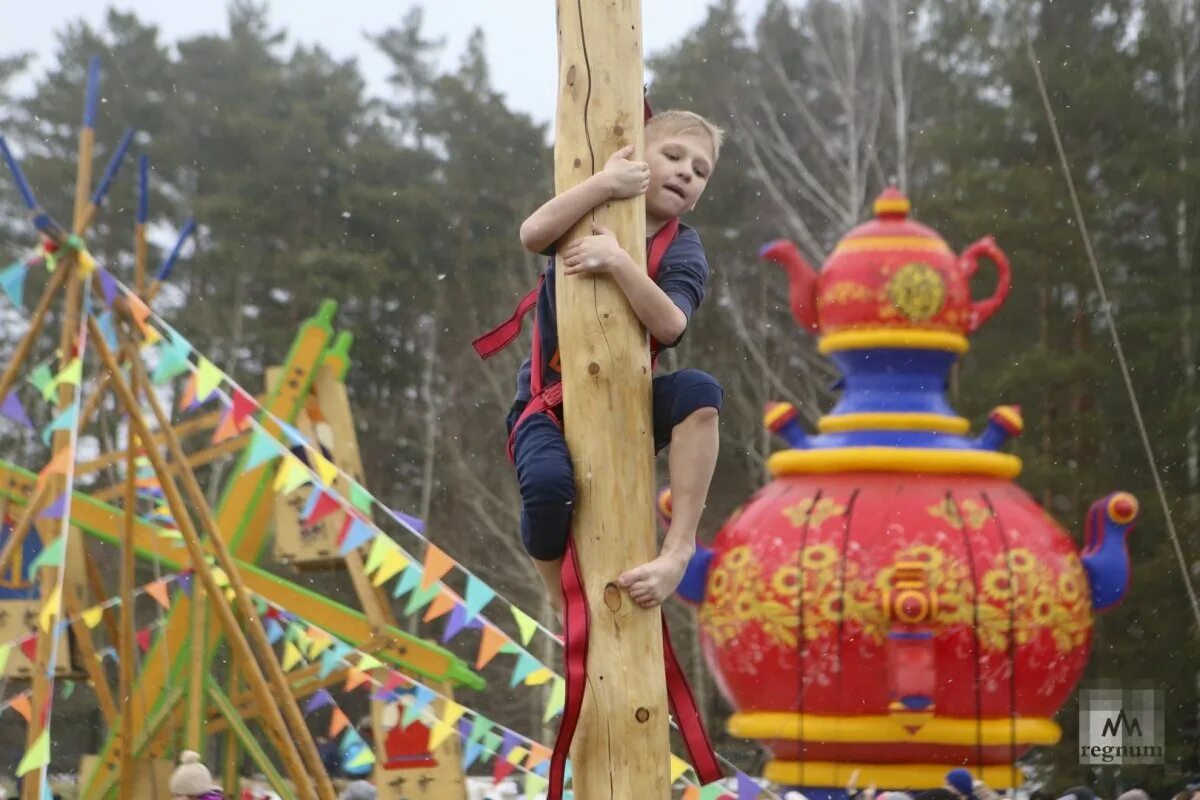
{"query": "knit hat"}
(191, 778)
(359, 790)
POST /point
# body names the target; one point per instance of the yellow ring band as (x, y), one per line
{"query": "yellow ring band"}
(893, 421)
(897, 776)
(887, 730)
(895, 459)
(862, 338)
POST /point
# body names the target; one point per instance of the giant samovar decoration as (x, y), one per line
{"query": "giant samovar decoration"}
(891, 604)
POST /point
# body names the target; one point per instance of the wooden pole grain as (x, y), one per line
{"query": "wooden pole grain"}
(621, 749)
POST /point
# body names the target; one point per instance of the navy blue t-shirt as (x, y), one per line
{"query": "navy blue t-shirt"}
(682, 275)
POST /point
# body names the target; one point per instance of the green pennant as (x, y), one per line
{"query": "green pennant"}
(421, 598)
(41, 377)
(360, 498)
(51, 556)
(479, 727)
(492, 741)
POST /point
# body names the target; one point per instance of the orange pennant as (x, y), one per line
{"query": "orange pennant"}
(58, 466)
(537, 754)
(227, 429)
(21, 705)
(355, 678)
(691, 793)
(437, 564)
(188, 396)
(139, 309)
(442, 604)
(493, 639)
(337, 722)
(158, 590)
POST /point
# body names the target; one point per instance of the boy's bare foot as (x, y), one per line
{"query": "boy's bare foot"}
(652, 583)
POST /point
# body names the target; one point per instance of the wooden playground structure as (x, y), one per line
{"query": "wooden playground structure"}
(242, 656)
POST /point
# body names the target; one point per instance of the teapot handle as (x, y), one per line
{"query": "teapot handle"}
(981, 310)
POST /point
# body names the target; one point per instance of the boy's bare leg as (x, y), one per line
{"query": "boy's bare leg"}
(551, 573)
(692, 459)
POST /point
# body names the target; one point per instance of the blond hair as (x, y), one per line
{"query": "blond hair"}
(674, 122)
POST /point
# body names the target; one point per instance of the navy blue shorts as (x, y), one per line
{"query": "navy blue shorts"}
(544, 472)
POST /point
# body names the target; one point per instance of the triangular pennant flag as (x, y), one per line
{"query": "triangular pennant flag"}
(516, 755)
(55, 511)
(713, 791)
(394, 562)
(187, 398)
(678, 767)
(379, 546)
(368, 662)
(501, 769)
(292, 434)
(538, 754)
(747, 789)
(355, 678)
(407, 521)
(158, 590)
(419, 701)
(691, 793)
(143, 639)
(226, 429)
(51, 609)
(436, 565)
(92, 616)
(319, 700)
(51, 555)
(442, 603)
(510, 741)
(451, 712)
(36, 756)
(478, 595)
(534, 784)
(357, 533)
(243, 407)
(140, 311)
(471, 754)
(262, 448)
(539, 676)
(319, 645)
(70, 375)
(337, 722)
(108, 286)
(41, 378)
(456, 623)
(310, 502)
(208, 378)
(558, 695)
(491, 741)
(172, 360)
(325, 505)
(292, 475)
(28, 647)
(5, 649)
(420, 598)
(57, 466)
(12, 280)
(185, 584)
(489, 645)
(438, 734)
(526, 664)
(360, 498)
(364, 758)
(479, 727)
(22, 706)
(68, 689)
(108, 329)
(408, 581)
(14, 410)
(326, 470)
(63, 422)
(291, 656)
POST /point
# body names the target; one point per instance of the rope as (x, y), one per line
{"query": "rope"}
(1116, 340)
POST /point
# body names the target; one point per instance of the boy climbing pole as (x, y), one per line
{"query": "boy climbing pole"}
(681, 152)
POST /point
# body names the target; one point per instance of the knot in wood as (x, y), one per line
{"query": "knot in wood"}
(612, 596)
(642, 714)
(593, 368)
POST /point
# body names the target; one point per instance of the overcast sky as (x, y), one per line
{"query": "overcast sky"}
(520, 33)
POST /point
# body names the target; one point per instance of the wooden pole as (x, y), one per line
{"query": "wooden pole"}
(191, 539)
(128, 565)
(621, 749)
(276, 678)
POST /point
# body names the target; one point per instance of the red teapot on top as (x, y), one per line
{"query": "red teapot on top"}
(889, 275)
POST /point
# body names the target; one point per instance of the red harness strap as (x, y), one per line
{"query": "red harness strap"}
(683, 705)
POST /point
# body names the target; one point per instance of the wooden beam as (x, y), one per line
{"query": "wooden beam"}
(621, 749)
(240, 729)
(128, 565)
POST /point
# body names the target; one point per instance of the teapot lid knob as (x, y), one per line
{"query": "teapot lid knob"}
(892, 204)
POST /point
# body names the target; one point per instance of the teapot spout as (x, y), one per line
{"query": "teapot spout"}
(802, 281)
(1105, 552)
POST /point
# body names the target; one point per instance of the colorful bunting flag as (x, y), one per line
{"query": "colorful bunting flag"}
(12, 281)
(14, 410)
(28, 647)
(408, 581)
(355, 678)
(526, 664)
(41, 377)
(471, 754)
(451, 712)
(172, 360)
(226, 429)
(368, 662)
(243, 405)
(501, 769)
(51, 555)
(337, 722)
(534, 784)
(479, 727)
(70, 375)
(187, 398)
(539, 676)
(140, 311)
(63, 422)
(58, 465)
(479, 594)
(747, 789)
(456, 623)
(516, 755)
(108, 286)
(713, 791)
(326, 470)
(262, 448)
(36, 756)
(441, 605)
(355, 533)
(55, 510)
(558, 695)
(324, 505)
(319, 700)
(489, 645)
(364, 758)
(143, 639)
(22, 706)
(678, 768)
(185, 583)
(379, 546)
(360, 498)
(292, 475)
(436, 565)
(420, 598)
(5, 649)
(538, 755)
(438, 734)
(92, 616)
(51, 609)
(108, 330)
(208, 377)
(158, 590)
(691, 793)
(407, 521)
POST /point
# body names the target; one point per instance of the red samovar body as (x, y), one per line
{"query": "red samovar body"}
(891, 602)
